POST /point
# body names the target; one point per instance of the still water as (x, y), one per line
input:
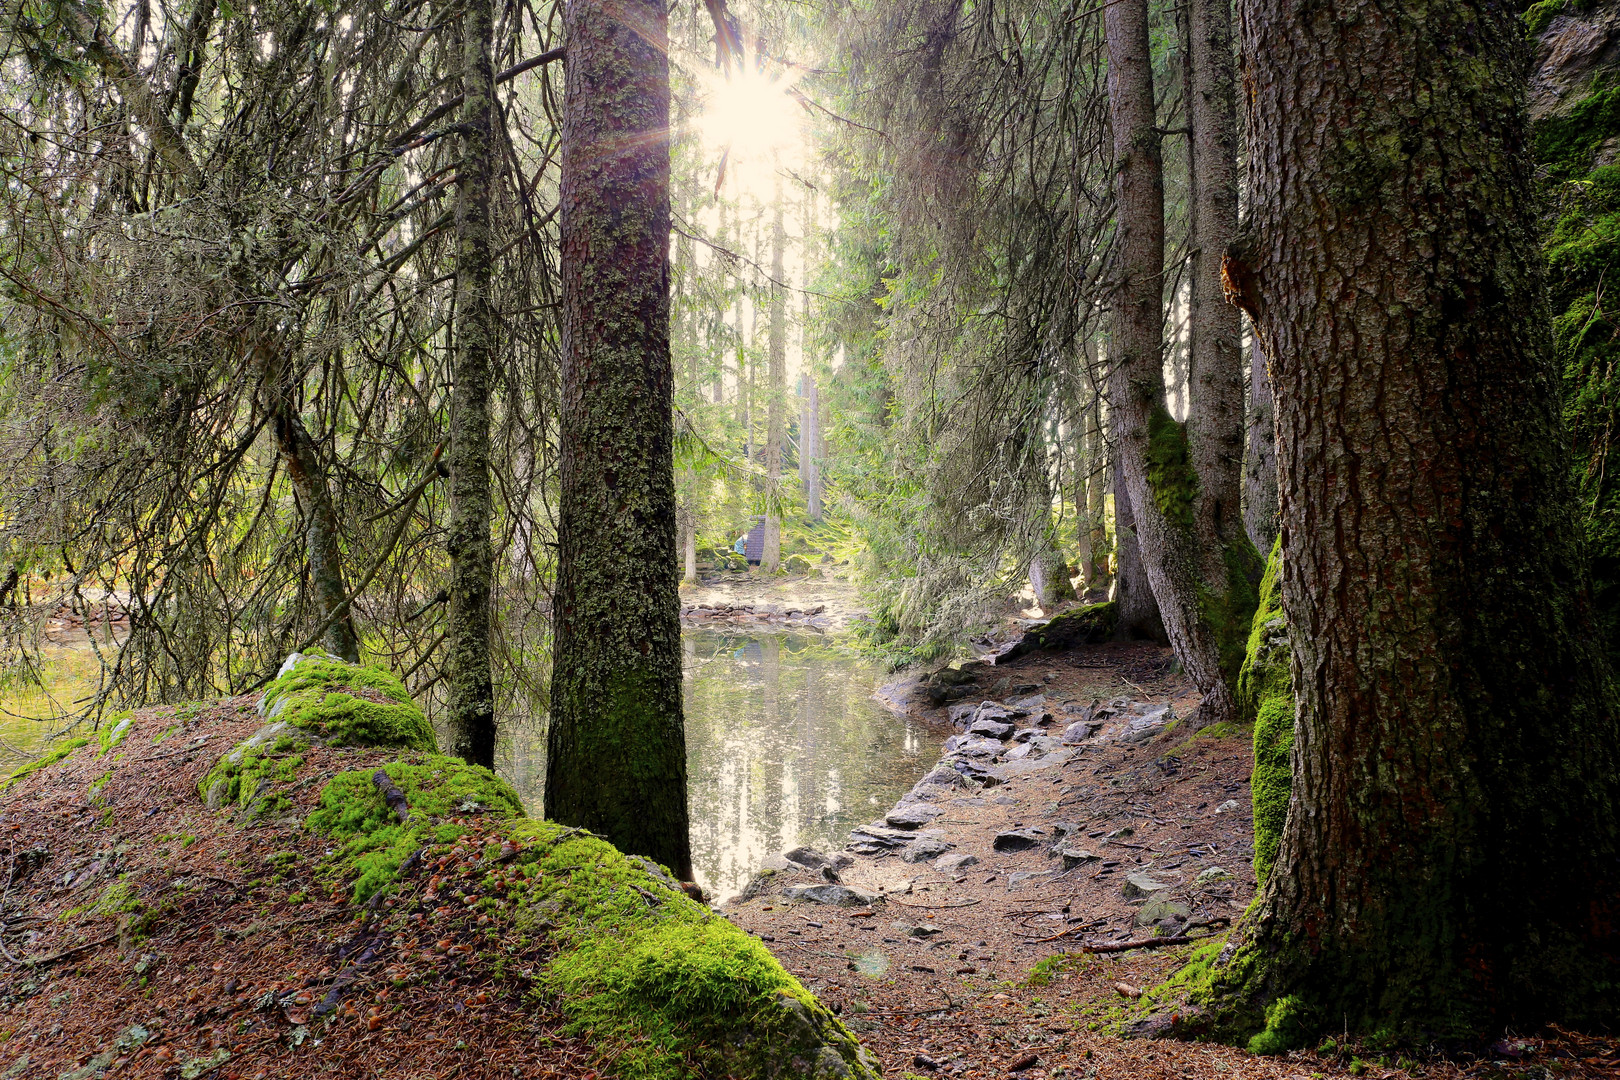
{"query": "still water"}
(785, 746)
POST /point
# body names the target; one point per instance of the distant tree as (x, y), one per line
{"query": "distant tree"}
(1448, 864)
(617, 745)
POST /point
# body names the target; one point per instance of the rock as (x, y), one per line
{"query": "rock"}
(1161, 911)
(975, 746)
(993, 729)
(1211, 875)
(922, 850)
(1025, 688)
(833, 895)
(762, 883)
(1073, 855)
(1227, 807)
(1016, 880)
(1062, 828)
(925, 930)
(1019, 752)
(1026, 734)
(882, 836)
(962, 715)
(941, 776)
(1017, 840)
(974, 771)
(797, 564)
(947, 863)
(1080, 731)
(1140, 885)
(1141, 728)
(912, 816)
(1027, 705)
(811, 859)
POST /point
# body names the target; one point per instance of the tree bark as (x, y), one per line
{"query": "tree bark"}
(1133, 596)
(1152, 446)
(470, 687)
(776, 428)
(1260, 458)
(1448, 862)
(617, 744)
(321, 532)
(1097, 471)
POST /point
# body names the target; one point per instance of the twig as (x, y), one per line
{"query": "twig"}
(41, 961)
(394, 797)
(937, 907)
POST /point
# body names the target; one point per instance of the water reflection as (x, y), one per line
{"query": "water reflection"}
(785, 746)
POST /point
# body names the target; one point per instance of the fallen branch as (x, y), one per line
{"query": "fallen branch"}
(41, 961)
(394, 797)
(937, 907)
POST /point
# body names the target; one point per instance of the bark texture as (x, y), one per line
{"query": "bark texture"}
(1097, 468)
(617, 745)
(1260, 455)
(321, 533)
(470, 716)
(1138, 610)
(1152, 447)
(1448, 862)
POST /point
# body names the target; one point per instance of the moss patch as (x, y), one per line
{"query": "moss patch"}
(246, 777)
(348, 704)
(51, 757)
(1170, 470)
(1266, 698)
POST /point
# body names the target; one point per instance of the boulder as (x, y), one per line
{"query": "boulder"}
(797, 564)
(923, 850)
(811, 859)
(1170, 913)
(833, 895)
(1080, 731)
(1017, 840)
(1141, 728)
(1211, 875)
(1073, 854)
(992, 729)
(912, 815)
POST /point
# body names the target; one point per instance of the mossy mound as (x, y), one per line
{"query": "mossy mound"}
(346, 704)
(663, 987)
(1266, 698)
(1089, 625)
(246, 777)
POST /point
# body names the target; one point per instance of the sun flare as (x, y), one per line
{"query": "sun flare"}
(753, 117)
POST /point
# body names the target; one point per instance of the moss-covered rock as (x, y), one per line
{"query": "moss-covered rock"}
(1266, 698)
(1089, 625)
(246, 777)
(346, 704)
(660, 985)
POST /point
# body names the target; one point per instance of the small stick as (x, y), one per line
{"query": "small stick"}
(937, 907)
(394, 797)
(41, 961)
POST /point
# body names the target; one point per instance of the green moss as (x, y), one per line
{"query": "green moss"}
(1567, 141)
(51, 757)
(1231, 615)
(373, 841)
(1290, 1024)
(246, 777)
(1537, 16)
(348, 704)
(1266, 698)
(113, 729)
(664, 987)
(1170, 471)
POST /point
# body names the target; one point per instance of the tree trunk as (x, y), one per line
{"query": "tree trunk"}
(1097, 464)
(1448, 863)
(1079, 432)
(617, 744)
(776, 428)
(1152, 446)
(1133, 596)
(810, 448)
(1260, 460)
(1230, 566)
(688, 523)
(471, 693)
(320, 531)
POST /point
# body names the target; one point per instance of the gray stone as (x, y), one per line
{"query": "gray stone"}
(993, 729)
(882, 836)
(912, 815)
(1017, 840)
(833, 895)
(941, 776)
(1026, 734)
(1062, 828)
(958, 861)
(974, 771)
(1019, 752)
(1080, 731)
(991, 710)
(925, 930)
(1141, 728)
(1161, 911)
(963, 715)
(1140, 886)
(1020, 878)
(762, 883)
(1211, 875)
(811, 859)
(923, 850)
(977, 747)
(1073, 855)
(1227, 807)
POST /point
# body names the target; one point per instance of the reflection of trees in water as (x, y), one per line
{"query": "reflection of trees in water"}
(785, 746)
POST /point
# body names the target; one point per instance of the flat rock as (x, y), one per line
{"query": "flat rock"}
(833, 895)
(1211, 875)
(912, 815)
(1026, 734)
(1227, 807)
(924, 850)
(1073, 855)
(1141, 885)
(992, 729)
(1080, 731)
(811, 859)
(955, 861)
(1140, 729)
(1017, 839)
(882, 836)
(941, 776)
(1161, 911)
(1020, 878)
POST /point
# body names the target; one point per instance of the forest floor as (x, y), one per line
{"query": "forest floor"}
(975, 971)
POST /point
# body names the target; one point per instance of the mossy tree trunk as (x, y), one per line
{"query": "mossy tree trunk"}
(776, 426)
(471, 693)
(1207, 628)
(1448, 861)
(617, 744)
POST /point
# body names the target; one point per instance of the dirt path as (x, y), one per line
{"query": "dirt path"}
(967, 971)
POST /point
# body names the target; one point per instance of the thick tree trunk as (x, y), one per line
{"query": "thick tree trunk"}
(471, 692)
(1152, 447)
(1260, 458)
(321, 532)
(617, 744)
(1229, 564)
(776, 427)
(1448, 863)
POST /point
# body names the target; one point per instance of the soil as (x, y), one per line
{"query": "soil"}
(940, 976)
(230, 936)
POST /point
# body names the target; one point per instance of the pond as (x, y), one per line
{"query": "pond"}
(785, 747)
